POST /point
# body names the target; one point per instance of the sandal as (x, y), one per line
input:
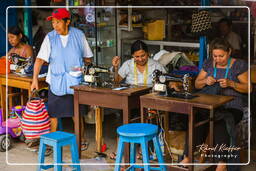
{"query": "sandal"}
(32, 149)
(139, 156)
(48, 151)
(32, 143)
(84, 146)
(184, 161)
(112, 156)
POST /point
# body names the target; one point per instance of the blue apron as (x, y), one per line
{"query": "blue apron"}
(62, 59)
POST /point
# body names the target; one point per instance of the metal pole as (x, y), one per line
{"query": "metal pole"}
(203, 41)
(28, 21)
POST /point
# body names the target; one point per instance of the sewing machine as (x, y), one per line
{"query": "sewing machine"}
(19, 64)
(161, 85)
(92, 75)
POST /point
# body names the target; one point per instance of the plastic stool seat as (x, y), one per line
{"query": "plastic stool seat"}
(57, 136)
(137, 130)
(140, 133)
(58, 140)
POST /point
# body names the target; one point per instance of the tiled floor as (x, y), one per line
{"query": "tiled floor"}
(19, 156)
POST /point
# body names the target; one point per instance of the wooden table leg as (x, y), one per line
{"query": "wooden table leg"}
(77, 121)
(211, 132)
(166, 130)
(142, 113)
(126, 112)
(3, 100)
(10, 98)
(191, 138)
(98, 122)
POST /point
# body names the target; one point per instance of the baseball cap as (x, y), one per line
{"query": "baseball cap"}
(59, 13)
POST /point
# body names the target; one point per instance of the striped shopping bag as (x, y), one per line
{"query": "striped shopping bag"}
(35, 119)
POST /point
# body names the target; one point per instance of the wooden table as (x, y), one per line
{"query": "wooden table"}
(185, 106)
(17, 81)
(105, 97)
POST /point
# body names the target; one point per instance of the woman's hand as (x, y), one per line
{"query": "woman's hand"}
(210, 80)
(224, 83)
(116, 61)
(34, 85)
(175, 85)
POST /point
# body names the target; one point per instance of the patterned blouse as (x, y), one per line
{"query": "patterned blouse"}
(238, 67)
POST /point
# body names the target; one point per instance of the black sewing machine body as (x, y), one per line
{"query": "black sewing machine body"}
(161, 85)
(20, 64)
(97, 76)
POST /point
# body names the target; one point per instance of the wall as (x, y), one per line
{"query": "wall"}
(11, 22)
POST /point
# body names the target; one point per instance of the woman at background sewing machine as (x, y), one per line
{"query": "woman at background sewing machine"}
(224, 75)
(18, 41)
(139, 69)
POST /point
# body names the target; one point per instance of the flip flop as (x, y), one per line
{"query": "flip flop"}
(181, 166)
(48, 151)
(32, 149)
(32, 143)
(112, 156)
(139, 156)
(101, 155)
(84, 146)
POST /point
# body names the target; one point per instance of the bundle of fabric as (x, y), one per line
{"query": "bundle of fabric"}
(35, 119)
(176, 142)
(172, 60)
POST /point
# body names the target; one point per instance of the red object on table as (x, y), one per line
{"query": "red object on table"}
(3, 66)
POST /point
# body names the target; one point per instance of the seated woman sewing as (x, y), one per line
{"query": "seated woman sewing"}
(18, 41)
(139, 69)
(224, 75)
(20, 49)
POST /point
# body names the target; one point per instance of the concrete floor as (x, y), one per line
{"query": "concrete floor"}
(20, 158)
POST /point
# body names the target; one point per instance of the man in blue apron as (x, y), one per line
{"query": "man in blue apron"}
(64, 48)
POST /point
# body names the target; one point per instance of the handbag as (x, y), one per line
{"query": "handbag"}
(35, 119)
(201, 22)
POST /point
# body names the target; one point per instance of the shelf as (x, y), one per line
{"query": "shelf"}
(105, 26)
(240, 22)
(134, 26)
(165, 43)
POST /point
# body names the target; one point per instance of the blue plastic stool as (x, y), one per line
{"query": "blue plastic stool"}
(140, 133)
(57, 140)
